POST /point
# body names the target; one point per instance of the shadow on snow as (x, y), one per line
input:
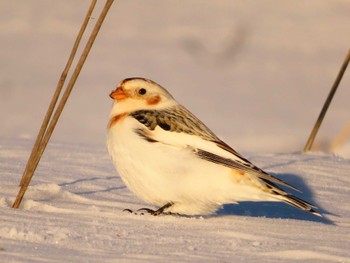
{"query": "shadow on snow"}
(280, 209)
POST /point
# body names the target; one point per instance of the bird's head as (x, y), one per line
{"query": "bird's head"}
(138, 93)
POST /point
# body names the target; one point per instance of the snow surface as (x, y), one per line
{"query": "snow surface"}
(73, 211)
(256, 72)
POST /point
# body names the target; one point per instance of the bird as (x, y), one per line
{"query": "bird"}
(170, 159)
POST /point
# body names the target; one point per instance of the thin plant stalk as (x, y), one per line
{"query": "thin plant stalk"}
(56, 94)
(62, 103)
(328, 101)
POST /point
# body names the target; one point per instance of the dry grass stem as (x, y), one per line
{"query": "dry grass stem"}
(56, 95)
(42, 142)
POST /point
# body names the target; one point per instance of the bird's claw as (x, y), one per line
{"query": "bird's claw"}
(132, 212)
(148, 210)
(152, 212)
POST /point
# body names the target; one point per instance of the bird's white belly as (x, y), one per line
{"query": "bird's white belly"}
(160, 173)
(153, 171)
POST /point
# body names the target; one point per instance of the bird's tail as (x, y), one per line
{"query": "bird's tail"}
(299, 203)
(290, 199)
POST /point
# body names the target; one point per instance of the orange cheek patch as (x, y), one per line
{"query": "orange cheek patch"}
(116, 119)
(153, 101)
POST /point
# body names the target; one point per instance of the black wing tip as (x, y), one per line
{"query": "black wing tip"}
(301, 204)
(315, 213)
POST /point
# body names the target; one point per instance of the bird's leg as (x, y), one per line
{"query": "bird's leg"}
(158, 211)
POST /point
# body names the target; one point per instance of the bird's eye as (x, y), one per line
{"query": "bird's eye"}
(142, 91)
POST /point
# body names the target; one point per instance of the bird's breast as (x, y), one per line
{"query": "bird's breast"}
(116, 119)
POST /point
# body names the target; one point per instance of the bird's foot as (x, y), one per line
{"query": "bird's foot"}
(153, 212)
(128, 210)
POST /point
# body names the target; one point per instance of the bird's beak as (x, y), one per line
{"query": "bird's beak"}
(119, 94)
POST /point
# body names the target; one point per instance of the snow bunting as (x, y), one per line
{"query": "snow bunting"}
(169, 158)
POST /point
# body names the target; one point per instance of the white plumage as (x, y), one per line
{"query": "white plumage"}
(170, 159)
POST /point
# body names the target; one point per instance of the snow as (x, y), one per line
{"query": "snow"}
(73, 211)
(266, 67)
(256, 72)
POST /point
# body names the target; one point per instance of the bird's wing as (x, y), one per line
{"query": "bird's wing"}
(241, 165)
(189, 132)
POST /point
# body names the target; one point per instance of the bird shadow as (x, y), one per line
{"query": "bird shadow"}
(280, 209)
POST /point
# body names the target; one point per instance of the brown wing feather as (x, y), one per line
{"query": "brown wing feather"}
(179, 119)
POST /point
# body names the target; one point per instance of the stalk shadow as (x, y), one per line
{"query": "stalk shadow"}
(92, 179)
(87, 179)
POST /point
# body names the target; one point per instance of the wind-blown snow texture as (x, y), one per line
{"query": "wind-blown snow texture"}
(256, 72)
(73, 212)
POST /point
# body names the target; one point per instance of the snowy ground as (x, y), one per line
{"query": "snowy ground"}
(73, 212)
(256, 72)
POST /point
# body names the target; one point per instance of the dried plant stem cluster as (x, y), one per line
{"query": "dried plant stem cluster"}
(49, 122)
(341, 138)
